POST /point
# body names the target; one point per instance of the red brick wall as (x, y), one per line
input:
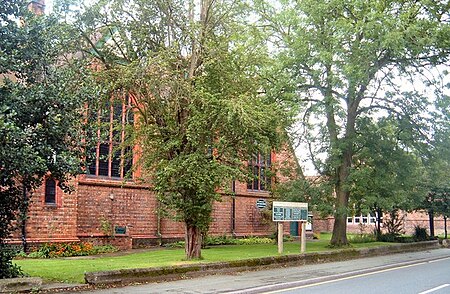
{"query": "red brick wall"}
(52, 222)
(80, 215)
(130, 206)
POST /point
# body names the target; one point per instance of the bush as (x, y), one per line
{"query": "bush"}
(420, 234)
(52, 250)
(362, 238)
(178, 244)
(388, 237)
(7, 268)
(253, 240)
(394, 238)
(218, 240)
(225, 240)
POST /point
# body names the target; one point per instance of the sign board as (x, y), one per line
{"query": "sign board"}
(261, 203)
(289, 211)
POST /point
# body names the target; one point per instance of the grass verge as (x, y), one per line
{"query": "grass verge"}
(72, 269)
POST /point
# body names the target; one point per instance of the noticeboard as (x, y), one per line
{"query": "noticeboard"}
(289, 211)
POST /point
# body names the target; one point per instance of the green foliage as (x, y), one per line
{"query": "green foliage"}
(362, 238)
(316, 191)
(55, 250)
(226, 240)
(196, 86)
(394, 238)
(420, 234)
(7, 268)
(394, 223)
(335, 56)
(106, 226)
(41, 117)
(436, 178)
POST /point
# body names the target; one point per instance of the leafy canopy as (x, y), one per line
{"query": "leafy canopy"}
(40, 110)
(192, 69)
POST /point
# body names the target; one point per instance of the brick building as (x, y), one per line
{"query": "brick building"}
(367, 223)
(105, 207)
(108, 209)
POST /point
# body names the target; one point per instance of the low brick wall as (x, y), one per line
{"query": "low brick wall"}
(127, 276)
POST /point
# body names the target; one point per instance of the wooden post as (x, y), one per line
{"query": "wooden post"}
(280, 237)
(303, 238)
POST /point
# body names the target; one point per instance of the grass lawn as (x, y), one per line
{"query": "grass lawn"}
(71, 270)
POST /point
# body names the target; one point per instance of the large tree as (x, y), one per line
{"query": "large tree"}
(344, 61)
(40, 115)
(387, 171)
(191, 68)
(436, 176)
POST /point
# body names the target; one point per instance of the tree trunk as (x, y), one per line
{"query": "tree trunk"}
(379, 213)
(339, 237)
(193, 240)
(431, 218)
(445, 227)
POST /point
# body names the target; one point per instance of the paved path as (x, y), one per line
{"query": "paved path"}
(243, 282)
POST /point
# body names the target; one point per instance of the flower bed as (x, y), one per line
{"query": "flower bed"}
(53, 250)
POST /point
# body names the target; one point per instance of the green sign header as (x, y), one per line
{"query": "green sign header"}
(289, 211)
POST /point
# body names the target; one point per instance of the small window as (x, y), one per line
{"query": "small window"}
(364, 219)
(349, 220)
(50, 191)
(357, 220)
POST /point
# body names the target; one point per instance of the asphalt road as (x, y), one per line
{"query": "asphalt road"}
(423, 277)
(412, 272)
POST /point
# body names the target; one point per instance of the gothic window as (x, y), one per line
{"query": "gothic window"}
(50, 191)
(108, 158)
(259, 167)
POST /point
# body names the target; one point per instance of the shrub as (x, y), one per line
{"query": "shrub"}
(394, 223)
(362, 238)
(7, 268)
(420, 234)
(225, 240)
(253, 240)
(218, 240)
(103, 249)
(389, 237)
(178, 244)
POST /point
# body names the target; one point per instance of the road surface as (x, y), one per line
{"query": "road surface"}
(414, 272)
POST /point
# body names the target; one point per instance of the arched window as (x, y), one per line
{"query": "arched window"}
(50, 191)
(107, 158)
(259, 167)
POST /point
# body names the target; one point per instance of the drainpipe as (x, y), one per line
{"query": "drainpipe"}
(233, 210)
(24, 218)
(158, 222)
